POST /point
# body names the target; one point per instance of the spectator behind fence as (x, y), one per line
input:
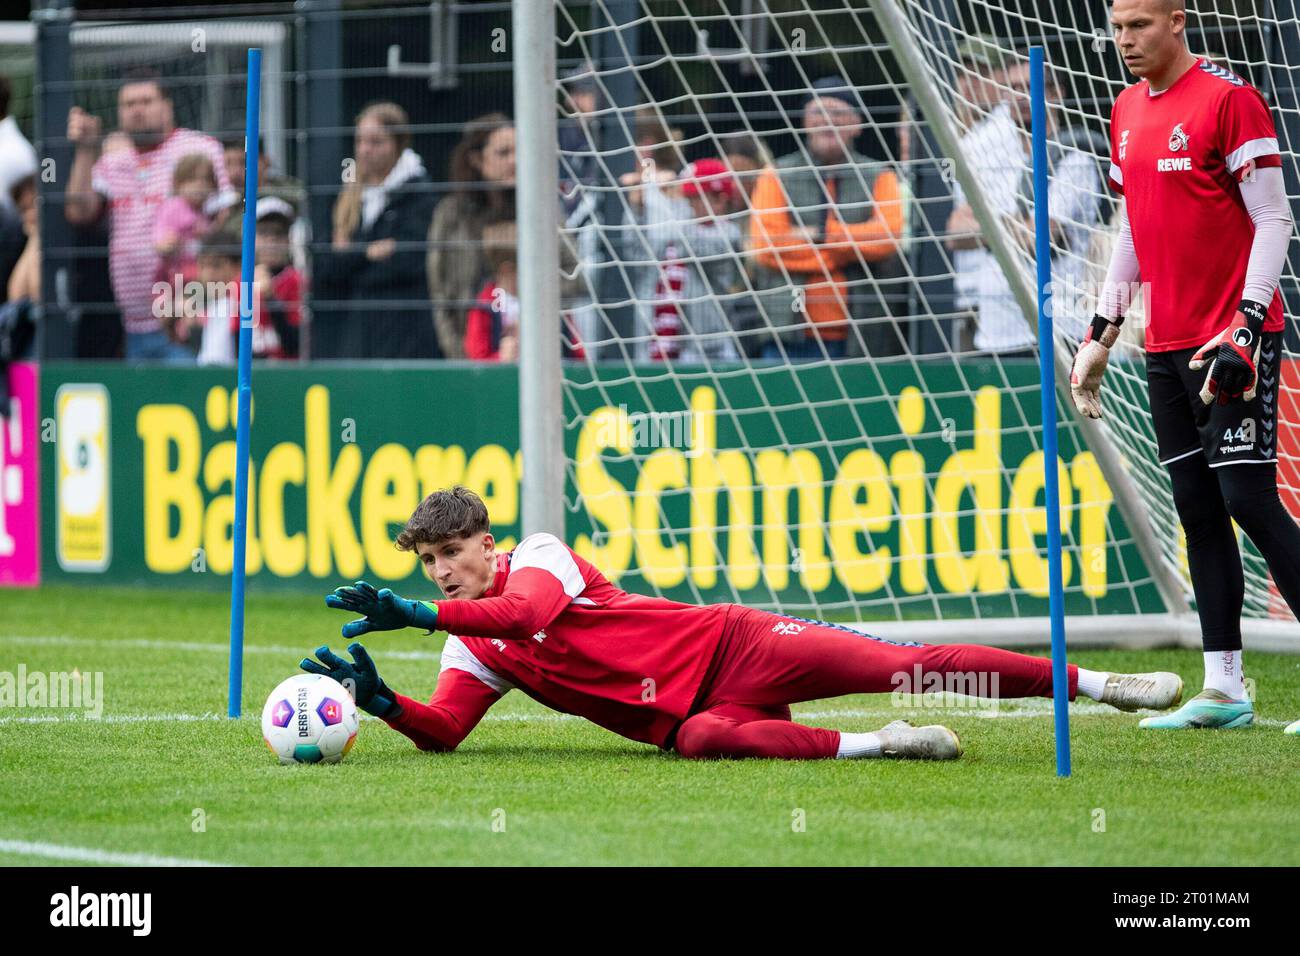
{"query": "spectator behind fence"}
(210, 332)
(270, 181)
(980, 74)
(17, 157)
(183, 221)
(684, 297)
(279, 281)
(1078, 199)
(748, 159)
(14, 236)
(492, 327)
(24, 281)
(130, 184)
(371, 295)
(17, 314)
(998, 150)
(482, 174)
(214, 332)
(577, 135)
(813, 226)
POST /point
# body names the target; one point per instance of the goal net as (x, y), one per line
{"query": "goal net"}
(801, 314)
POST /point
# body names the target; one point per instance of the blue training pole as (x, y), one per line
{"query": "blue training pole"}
(1047, 369)
(252, 135)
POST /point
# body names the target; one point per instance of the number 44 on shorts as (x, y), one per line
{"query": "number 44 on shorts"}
(1244, 435)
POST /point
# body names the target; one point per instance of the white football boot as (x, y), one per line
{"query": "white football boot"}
(901, 740)
(1156, 691)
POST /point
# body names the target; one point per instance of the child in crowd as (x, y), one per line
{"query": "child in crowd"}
(181, 224)
(492, 327)
(217, 328)
(280, 283)
(218, 272)
(182, 219)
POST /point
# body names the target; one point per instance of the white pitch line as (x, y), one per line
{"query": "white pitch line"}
(213, 646)
(81, 854)
(113, 719)
(1020, 711)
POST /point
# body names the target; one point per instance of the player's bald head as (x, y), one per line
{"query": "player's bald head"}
(1164, 8)
(1151, 34)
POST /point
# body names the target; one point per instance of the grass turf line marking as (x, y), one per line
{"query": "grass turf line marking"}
(81, 854)
(215, 647)
(1031, 710)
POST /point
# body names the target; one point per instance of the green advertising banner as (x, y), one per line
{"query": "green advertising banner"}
(755, 486)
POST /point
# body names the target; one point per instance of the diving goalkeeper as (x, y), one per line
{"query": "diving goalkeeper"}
(713, 681)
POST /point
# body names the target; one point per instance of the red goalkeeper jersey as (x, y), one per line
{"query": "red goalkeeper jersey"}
(1177, 157)
(552, 626)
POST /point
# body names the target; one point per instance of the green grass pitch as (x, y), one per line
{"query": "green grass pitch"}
(532, 787)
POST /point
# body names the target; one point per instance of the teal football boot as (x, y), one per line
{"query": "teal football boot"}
(1208, 709)
(1293, 729)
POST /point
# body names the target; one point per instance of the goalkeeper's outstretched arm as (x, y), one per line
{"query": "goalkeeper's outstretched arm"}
(458, 703)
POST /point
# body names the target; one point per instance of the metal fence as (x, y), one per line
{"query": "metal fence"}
(443, 63)
(324, 61)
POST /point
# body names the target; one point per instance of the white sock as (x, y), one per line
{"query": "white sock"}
(859, 745)
(1092, 683)
(1223, 673)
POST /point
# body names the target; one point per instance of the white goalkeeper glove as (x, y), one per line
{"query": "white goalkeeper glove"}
(1090, 364)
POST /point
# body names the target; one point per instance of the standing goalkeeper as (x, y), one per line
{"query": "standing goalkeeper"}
(1205, 222)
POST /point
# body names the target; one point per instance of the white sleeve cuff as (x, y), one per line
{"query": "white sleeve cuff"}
(1255, 148)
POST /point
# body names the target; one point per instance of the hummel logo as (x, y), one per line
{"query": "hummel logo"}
(1221, 73)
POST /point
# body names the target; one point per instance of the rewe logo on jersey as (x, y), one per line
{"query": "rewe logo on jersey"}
(1181, 164)
(1178, 139)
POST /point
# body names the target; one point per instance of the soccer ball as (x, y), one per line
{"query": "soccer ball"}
(309, 718)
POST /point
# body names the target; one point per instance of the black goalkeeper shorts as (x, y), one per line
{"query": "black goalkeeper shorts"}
(1226, 434)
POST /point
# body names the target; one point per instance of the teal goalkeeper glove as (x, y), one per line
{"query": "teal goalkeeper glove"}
(382, 610)
(360, 678)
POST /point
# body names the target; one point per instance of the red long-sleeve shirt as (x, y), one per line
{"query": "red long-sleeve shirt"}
(552, 626)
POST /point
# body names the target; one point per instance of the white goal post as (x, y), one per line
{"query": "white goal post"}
(792, 378)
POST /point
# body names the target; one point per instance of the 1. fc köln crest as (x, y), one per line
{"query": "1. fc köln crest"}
(1178, 139)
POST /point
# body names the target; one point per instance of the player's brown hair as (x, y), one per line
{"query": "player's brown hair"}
(450, 513)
